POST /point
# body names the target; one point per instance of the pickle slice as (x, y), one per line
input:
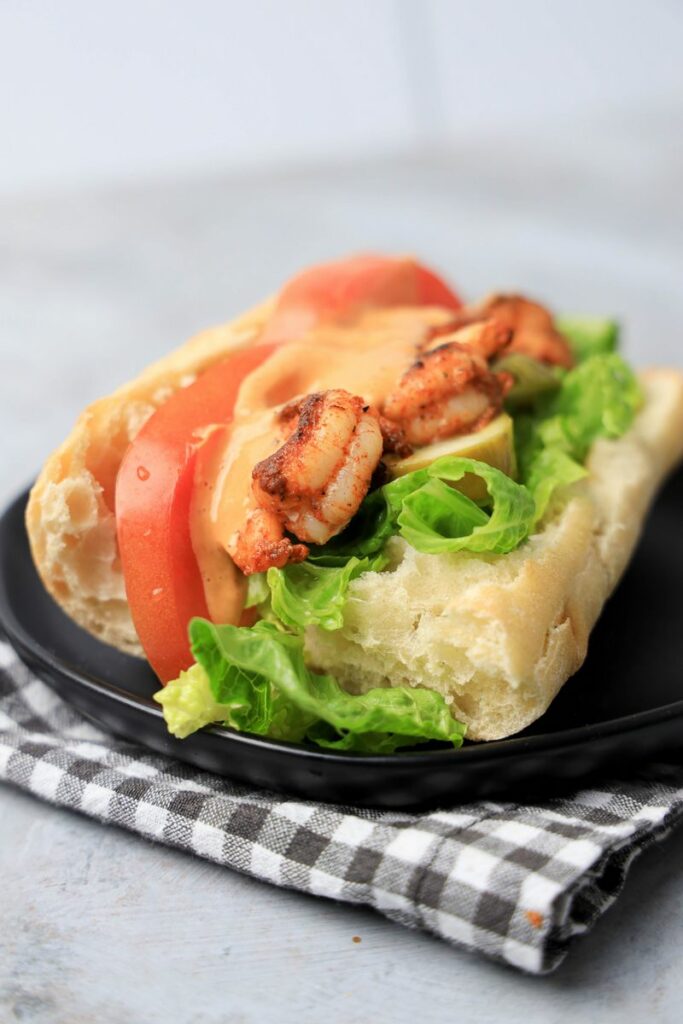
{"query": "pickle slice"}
(493, 444)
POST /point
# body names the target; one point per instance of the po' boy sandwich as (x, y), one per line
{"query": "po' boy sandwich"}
(363, 515)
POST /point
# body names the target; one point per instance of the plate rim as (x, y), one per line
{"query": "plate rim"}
(32, 652)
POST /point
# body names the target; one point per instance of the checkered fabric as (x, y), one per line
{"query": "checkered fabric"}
(515, 882)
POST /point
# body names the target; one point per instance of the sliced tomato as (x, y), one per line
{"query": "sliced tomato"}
(432, 291)
(335, 291)
(153, 493)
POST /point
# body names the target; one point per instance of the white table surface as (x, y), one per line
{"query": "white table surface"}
(99, 925)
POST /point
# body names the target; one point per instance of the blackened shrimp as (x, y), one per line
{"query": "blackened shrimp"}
(450, 389)
(313, 484)
(533, 331)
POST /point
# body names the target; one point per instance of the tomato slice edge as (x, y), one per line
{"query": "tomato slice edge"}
(153, 495)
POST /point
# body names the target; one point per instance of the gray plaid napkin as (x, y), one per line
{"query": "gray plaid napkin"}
(517, 883)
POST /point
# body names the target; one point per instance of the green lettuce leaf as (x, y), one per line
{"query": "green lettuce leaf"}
(260, 676)
(189, 704)
(435, 518)
(231, 657)
(598, 398)
(258, 591)
(550, 470)
(312, 594)
(589, 335)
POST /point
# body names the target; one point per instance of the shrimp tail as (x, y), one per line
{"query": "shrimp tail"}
(262, 543)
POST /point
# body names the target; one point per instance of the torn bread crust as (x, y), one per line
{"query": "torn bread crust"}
(497, 635)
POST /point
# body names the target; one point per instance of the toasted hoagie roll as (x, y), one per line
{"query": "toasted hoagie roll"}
(497, 634)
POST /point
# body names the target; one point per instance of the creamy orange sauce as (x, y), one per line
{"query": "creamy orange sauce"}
(366, 358)
(224, 584)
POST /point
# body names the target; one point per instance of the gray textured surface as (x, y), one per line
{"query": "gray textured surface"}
(98, 925)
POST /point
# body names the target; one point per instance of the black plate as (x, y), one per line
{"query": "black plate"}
(625, 705)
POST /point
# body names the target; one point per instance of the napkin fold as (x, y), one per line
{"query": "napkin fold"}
(516, 882)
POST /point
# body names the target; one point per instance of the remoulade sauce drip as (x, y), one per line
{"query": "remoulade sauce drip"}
(366, 358)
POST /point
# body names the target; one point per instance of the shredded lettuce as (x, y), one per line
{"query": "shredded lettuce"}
(260, 676)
